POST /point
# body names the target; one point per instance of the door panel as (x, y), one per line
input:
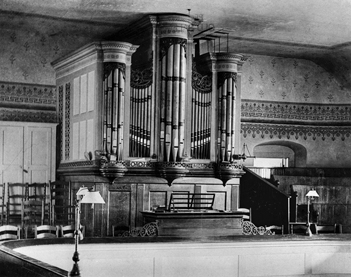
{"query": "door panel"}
(38, 154)
(11, 154)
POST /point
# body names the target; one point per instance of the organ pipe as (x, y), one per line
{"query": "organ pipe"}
(226, 100)
(201, 115)
(141, 114)
(113, 109)
(173, 71)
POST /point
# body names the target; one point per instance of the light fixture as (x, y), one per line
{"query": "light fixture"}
(310, 196)
(243, 156)
(84, 195)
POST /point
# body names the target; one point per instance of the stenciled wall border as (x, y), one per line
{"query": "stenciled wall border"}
(16, 93)
(283, 120)
(280, 131)
(298, 112)
(27, 102)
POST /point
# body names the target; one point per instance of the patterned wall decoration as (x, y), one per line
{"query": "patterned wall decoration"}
(27, 102)
(60, 119)
(280, 131)
(290, 80)
(29, 44)
(273, 111)
(306, 121)
(67, 120)
(15, 93)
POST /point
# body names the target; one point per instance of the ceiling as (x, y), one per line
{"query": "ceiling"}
(311, 22)
(318, 30)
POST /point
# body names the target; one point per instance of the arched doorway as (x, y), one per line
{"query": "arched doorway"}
(290, 153)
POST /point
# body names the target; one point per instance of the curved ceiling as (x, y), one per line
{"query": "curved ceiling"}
(312, 22)
(318, 30)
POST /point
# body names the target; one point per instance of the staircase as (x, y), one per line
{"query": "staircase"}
(269, 205)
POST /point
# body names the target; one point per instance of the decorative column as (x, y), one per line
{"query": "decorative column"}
(117, 62)
(226, 110)
(173, 34)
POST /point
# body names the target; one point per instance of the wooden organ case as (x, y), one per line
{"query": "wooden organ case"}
(142, 116)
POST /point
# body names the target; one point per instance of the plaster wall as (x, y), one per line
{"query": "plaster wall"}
(296, 101)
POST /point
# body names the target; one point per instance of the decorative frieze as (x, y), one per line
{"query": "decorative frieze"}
(280, 131)
(17, 93)
(294, 111)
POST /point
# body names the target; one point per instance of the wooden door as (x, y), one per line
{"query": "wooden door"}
(11, 154)
(38, 156)
(27, 152)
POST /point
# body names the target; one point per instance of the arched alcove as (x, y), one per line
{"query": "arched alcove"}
(296, 153)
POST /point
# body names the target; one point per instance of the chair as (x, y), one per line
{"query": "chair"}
(2, 203)
(37, 193)
(16, 193)
(32, 214)
(62, 210)
(9, 232)
(46, 231)
(68, 231)
(276, 229)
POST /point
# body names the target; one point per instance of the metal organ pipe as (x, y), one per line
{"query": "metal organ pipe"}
(182, 88)
(141, 114)
(113, 110)
(226, 92)
(201, 116)
(173, 65)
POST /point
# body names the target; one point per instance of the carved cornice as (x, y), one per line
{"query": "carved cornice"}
(223, 61)
(107, 51)
(79, 164)
(166, 170)
(174, 25)
(295, 112)
(280, 131)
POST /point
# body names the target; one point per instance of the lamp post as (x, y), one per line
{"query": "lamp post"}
(310, 196)
(83, 196)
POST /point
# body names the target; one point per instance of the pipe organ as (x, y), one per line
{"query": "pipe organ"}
(113, 84)
(201, 115)
(226, 114)
(146, 108)
(141, 113)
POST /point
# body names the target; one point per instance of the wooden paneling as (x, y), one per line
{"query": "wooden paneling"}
(121, 207)
(222, 196)
(11, 152)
